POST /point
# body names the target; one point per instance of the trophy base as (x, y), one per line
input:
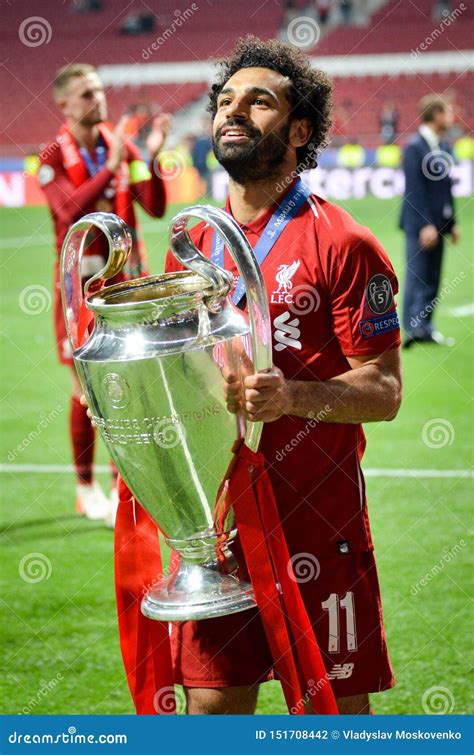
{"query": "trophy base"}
(197, 591)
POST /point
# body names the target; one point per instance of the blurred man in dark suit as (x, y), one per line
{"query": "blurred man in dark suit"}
(427, 217)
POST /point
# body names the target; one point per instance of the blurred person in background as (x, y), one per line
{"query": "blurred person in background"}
(347, 8)
(89, 167)
(389, 118)
(138, 124)
(322, 11)
(200, 149)
(427, 217)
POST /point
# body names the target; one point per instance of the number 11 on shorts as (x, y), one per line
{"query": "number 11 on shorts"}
(332, 606)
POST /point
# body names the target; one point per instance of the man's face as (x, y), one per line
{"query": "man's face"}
(83, 100)
(252, 124)
(444, 118)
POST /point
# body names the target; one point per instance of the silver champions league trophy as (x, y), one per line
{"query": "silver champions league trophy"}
(153, 371)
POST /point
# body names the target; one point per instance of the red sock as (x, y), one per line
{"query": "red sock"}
(83, 441)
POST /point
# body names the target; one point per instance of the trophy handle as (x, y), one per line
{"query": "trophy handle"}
(120, 244)
(241, 252)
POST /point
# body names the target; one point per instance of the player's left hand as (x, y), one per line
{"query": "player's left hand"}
(455, 234)
(267, 396)
(157, 136)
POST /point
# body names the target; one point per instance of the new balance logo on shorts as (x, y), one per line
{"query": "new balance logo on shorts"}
(341, 671)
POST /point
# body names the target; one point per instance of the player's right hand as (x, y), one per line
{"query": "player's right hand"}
(83, 401)
(117, 149)
(234, 394)
(428, 236)
(234, 375)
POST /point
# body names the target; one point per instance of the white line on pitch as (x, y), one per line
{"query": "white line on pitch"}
(369, 472)
(418, 472)
(465, 310)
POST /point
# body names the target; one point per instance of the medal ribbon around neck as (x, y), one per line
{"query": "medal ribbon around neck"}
(93, 167)
(285, 212)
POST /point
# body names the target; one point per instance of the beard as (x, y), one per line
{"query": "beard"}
(261, 157)
(94, 118)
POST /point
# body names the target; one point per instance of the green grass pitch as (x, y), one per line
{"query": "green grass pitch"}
(59, 629)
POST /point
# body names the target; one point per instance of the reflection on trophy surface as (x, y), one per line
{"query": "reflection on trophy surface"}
(153, 372)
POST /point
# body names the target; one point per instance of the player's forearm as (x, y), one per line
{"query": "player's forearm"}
(151, 195)
(367, 394)
(71, 205)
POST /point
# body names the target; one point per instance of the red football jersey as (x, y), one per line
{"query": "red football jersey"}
(330, 287)
(69, 200)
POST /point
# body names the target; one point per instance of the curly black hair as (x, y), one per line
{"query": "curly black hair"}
(310, 92)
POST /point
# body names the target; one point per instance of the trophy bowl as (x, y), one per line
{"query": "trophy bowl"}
(153, 371)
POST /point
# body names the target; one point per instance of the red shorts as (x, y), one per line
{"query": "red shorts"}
(344, 606)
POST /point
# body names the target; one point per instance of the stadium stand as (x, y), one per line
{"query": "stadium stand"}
(362, 98)
(30, 116)
(401, 26)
